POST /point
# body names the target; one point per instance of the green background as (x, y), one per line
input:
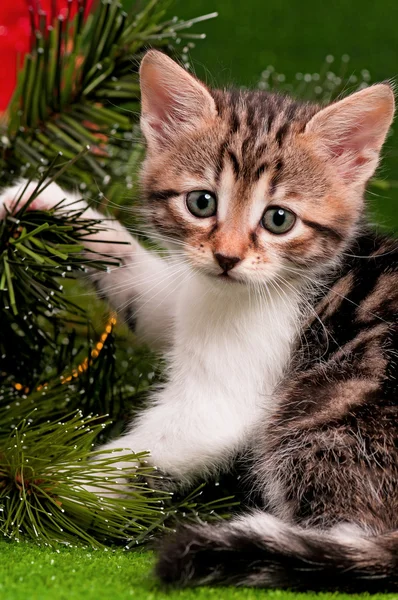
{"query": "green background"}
(296, 36)
(293, 36)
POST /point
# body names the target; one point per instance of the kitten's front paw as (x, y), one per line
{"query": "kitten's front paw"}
(114, 473)
(10, 198)
(130, 477)
(113, 481)
(157, 480)
(107, 487)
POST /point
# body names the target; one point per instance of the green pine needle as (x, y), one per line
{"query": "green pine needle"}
(43, 477)
(43, 471)
(79, 86)
(38, 250)
(74, 118)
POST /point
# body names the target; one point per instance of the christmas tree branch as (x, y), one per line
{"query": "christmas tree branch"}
(73, 118)
(79, 86)
(39, 249)
(44, 476)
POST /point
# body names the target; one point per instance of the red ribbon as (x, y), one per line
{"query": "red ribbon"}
(15, 34)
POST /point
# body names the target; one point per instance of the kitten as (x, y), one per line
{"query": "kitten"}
(277, 314)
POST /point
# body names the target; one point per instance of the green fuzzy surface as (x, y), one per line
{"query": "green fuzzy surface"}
(28, 572)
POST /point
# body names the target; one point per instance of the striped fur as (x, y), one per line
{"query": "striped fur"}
(260, 550)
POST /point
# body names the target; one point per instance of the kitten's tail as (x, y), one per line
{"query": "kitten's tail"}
(259, 550)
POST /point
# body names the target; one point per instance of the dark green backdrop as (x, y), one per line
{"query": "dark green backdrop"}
(296, 36)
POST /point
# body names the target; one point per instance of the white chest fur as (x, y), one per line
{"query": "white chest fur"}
(230, 350)
(234, 342)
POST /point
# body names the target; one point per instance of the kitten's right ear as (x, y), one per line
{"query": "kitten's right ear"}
(173, 102)
(350, 133)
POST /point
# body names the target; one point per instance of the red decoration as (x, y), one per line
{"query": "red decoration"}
(15, 35)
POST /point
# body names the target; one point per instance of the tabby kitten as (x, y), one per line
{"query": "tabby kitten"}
(277, 313)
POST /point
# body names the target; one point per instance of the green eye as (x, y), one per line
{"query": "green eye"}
(202, 204)
(278, 220)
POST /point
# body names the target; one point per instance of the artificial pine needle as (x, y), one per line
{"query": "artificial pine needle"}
(73, 119)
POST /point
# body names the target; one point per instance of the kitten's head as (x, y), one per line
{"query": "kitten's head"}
(250, 185)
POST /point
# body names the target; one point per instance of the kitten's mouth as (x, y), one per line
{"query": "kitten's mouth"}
(224, 276)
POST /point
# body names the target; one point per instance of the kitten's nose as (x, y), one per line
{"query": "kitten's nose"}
(226, 262)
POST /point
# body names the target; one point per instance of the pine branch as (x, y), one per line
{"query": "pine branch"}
(82, 371)
(44, 457)
(38, 251)
(43, 474)
(43, 470)
(79, 86)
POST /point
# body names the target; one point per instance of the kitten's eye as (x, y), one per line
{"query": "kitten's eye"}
(202, 204)
(278, 220)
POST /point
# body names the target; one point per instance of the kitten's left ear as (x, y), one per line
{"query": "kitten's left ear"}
(173, 102)
(351, 132)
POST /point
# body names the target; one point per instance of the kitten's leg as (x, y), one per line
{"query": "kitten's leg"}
(332, 446)
(141, 290)
(189, 434)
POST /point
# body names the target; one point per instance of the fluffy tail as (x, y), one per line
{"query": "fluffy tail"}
(259, 550)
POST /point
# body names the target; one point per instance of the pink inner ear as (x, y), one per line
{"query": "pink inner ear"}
(360, 136)
(165, 113)
(161, 107)
(356, 147)
(356, 140)
(360, 142)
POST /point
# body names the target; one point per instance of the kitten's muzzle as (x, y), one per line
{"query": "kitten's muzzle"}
(226, 262)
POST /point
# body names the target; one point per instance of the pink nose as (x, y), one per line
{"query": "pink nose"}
(226, 262)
